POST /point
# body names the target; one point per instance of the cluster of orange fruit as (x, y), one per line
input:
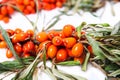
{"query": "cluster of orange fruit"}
(26, 7)
(60, 45)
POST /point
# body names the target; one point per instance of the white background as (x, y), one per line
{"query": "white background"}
(18, 21)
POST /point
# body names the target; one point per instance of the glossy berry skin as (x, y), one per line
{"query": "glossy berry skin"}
(57, 40)
(80, 59)
(41, 36)
(51, 51)
(52, 34)
(28, 47)
(77, 50)
(3, 44)
(68, 30)
(26, 55)
(61, 55)
(9, 54)
(18, 48)
(10, 32)
(69, 42)
(90, 50)
(29, 33)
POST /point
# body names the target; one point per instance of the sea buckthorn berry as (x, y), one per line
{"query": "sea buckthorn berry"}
(90, 50)
(51, 51)
(69, 51)
(58, 4)
(28, 47)
(29, 32)
(9, 54)
(52, 34)
(1, 16)
(1, 37)
(45, 43)
(77, 50)
(69, 42)
(21, 36)
(18, 48)
(10, 10)
(57, 40)
(61, 55)
(41, 36)
(61, 34)
(26, 55)
(3, 44)
(15, 39)
(3, 10)
(68, 30)
(10, 32)
(80, 59)
(18, 30)
(6, 19)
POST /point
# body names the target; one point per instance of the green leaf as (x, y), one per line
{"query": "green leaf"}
(84, 66)
(52, 24)
(72, 76)
(79, 28)
(95, 46)
(9, 43)
(44, 57)
(29, 70)
(111, 67)
(49, 72)
(116, 29)
(69, 63)
(115, 73)
(60, 75)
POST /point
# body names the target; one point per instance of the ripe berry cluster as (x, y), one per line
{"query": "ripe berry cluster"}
(60, 45)
(26, 7)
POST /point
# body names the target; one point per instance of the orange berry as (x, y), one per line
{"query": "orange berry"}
(29, 8)
(10, 10)
(3, 44)
(51, 51)
(19, 1)
(68, 30)
(30, 32)
(1, 16)
(80, 59)
(69, 42)
(69, 51)
(15, 39)
(57, 40)
(26, 55)
(21, 7)
(21, 36)
(1, 37)
(18, 48)
(26, 2)
(52, 34)
(61, 34)
(77, 50)
(32, 3)
(90, 50)
(10, 32)
(9, 54)
(6, 19)
(61, 55)
(45, 43)
(3, 10)
(18, 30)
(41, 36)
(58, 4)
